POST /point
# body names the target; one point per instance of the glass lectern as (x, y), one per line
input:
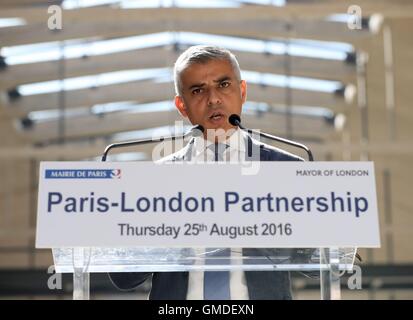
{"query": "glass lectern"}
(329, 262)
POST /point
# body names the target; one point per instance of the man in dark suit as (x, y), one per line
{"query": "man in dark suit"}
(209, 89)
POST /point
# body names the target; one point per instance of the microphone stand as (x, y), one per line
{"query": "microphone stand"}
(235, 120)
(194, 131)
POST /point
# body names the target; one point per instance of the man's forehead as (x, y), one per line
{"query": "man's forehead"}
(213, 70)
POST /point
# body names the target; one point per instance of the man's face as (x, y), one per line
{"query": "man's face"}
(210, 94)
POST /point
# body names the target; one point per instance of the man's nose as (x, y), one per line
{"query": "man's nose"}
(213, 98)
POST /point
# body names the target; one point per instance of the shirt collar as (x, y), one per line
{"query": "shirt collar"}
(236, 141)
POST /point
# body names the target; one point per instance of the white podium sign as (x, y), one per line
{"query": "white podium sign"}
(142, 204)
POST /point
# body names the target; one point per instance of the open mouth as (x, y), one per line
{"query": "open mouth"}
(216, 116)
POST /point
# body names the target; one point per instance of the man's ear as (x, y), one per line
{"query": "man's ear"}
(243, 85)
(179, 104)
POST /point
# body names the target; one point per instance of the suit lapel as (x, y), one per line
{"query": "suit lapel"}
(178, 280)
(185, 154)
(253, 149)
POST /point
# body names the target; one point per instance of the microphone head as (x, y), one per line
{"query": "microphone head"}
(197, 131)
(234, 119)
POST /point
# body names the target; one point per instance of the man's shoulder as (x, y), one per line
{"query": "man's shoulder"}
(179, 155)
(271, 153)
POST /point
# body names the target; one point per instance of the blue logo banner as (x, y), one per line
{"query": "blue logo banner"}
(83, 174)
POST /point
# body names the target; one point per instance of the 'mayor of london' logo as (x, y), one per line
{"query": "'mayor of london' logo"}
(83, 174)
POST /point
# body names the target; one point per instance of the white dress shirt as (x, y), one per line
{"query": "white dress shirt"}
(234, 153)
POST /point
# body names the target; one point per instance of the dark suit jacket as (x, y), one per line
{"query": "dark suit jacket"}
(262, 285)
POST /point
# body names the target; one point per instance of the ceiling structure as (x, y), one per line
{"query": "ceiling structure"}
(106, 76)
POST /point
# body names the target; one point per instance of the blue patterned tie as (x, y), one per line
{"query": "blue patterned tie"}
(218, 149)
(216, 283)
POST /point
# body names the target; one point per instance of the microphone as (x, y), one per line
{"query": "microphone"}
(235, 120)
(195, 131)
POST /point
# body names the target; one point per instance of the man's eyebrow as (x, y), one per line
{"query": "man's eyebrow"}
(197, 85)
(200, 85)
(223, 78)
